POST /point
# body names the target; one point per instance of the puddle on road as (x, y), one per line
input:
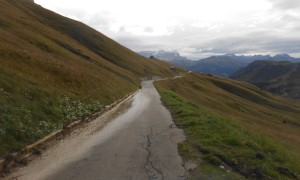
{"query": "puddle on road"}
(123, 108)
(125, 114)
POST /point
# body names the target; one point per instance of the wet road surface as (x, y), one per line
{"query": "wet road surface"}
(140, 143)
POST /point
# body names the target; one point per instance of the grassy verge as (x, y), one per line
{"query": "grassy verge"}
(225, 150)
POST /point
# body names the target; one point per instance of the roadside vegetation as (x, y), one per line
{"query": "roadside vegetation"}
(220, 140)
(28, 112)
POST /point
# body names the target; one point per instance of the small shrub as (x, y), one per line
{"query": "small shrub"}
(75, 109)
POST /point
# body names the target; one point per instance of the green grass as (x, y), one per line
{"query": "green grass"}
(218, 140)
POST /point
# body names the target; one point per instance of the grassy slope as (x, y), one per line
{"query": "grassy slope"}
(54, 69)
(229, 122)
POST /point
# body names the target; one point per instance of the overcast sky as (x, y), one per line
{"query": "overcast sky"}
(195, 28)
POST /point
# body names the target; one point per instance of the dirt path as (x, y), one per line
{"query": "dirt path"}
(139, 142)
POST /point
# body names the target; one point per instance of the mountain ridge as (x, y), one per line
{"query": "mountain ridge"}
(223, 65)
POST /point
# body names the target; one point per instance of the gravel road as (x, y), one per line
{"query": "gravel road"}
(136, 140)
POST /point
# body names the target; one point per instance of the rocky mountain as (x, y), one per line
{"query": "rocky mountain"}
(224, 65)
(285, 57)
(280, 77)
(164, 55)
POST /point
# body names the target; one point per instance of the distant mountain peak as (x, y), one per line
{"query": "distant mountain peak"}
(230, 54)
(163, 55)
(283, 56)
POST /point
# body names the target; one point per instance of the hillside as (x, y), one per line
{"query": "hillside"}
(54, 70)
(282, 78)
(234, 130)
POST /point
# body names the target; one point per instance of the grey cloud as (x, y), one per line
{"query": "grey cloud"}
(99, 20)
(297, 28)
(286, 4)
(290, 18)
(137, 44)
(148, 29)
(275, 31)
(285, 45)
(270, 37)
(78, 13)
(196, 42)
(252, 43)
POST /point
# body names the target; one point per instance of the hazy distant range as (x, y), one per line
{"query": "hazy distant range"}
(224, 65)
